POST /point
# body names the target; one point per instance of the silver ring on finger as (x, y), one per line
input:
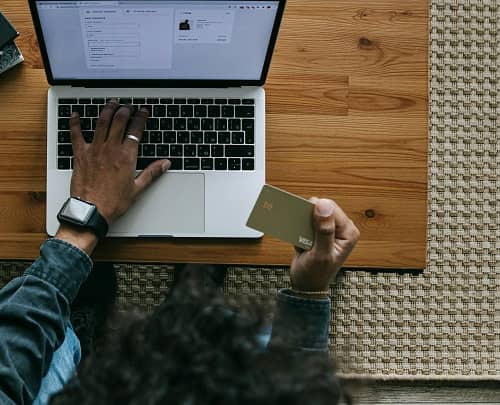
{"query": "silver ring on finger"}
(133, 138)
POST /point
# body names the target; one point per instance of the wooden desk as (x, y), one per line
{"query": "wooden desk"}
(346, 119)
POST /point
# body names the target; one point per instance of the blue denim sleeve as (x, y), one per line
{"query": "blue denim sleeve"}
(301, 323)
(34, 313)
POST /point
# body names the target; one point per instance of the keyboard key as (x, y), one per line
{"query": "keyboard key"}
(248, 164)
(148, 150)
(220, 164)
(224, 137)
(68, 101)
(238, 137)
(64, 137)
(244, 111)
(166, 124)
(139, 151)
(98, 100)
(94, 123)
(65, 150)
(200, 110)
(203, 150)
(142, 162)
(220, 101)
(166, 101)
(162, 150)
(125, 100)
(247, 124)
(155, 137)
(139, 100)
(210, 137)
(63, 124)
(148, 107)
(64, 111)
(220, 124)
(176, 164)
(84, 101)
(91, 111)
(173, 111)
(214, 111)
(234, 164)
(227, 111)
(152, 100)
(183, 137)
(190, 150)
(179, 101)
(234, 101)
(193, 124)
(207, 101)
(80, 109)
(101, 107)
(64, 163)
(109, 99)
(207, 124)
(239, 151)
(186, 111)
(145, 137)
(180, 124)
(176, 150)
(248, 101)
(191, 164)
(207, 164)
(159, 111)
(169, 137)
(88, 136)
(193, 101)
(196, 137)
(217, 150)
(235, 124)
(152, 124)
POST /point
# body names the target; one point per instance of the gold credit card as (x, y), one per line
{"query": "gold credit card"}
(283, 215)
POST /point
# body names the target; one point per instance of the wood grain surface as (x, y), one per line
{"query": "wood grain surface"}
(346, 119)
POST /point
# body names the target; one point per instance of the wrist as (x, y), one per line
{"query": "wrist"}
(82, 238)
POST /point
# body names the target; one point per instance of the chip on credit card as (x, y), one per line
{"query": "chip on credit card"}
(283, 215)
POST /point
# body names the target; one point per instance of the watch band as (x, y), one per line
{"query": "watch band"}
(98, 224)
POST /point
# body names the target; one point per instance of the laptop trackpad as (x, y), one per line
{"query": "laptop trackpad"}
(173, 205)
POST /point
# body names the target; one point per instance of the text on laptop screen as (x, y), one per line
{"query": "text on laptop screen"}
(157, 39)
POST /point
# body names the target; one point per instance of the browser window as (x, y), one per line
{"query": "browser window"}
(157, 39)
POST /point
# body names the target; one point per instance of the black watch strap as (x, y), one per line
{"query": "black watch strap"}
(98, 224)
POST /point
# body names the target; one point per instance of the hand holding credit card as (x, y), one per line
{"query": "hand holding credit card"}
(284, 216)
(319, 227)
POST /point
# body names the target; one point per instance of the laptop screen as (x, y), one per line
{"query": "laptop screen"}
(157, 39)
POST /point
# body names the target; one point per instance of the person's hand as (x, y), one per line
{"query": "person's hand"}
(336, 236)
(104, 170)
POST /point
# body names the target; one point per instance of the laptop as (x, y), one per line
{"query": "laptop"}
(198, 66)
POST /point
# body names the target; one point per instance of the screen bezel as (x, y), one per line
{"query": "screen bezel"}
(155, 82)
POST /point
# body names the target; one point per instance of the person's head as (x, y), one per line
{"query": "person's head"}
(200, 349)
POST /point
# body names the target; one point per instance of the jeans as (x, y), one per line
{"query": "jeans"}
(62, 367)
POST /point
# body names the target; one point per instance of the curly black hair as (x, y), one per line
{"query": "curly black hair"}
(200, 348)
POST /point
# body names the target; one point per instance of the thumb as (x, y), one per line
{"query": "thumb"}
(324, 225)
(150, 174)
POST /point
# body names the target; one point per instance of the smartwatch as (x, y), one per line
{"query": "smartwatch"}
(83, 214)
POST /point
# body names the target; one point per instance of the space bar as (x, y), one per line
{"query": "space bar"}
(142, 163)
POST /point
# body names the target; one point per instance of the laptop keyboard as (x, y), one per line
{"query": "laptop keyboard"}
(194, 134)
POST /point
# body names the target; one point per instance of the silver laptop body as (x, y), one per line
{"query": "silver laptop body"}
(182, 203)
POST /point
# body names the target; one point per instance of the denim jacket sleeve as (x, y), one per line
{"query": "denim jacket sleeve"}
(34, 313)
(301, 323)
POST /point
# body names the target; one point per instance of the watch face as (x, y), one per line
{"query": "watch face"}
(77, 210)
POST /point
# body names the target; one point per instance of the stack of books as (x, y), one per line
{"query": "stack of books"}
(10, 55)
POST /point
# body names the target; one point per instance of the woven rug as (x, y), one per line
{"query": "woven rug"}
(444, 323)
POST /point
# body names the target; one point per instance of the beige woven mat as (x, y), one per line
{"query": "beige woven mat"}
(445, 323)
